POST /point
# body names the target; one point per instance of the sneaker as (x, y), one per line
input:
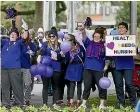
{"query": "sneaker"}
(60, 102)
(78, 103)
(7, 106)
(68, 103)
(27, 102)
(32, 94)
(101, 106)
(45, 104)
(50, 94)
(71, 104)
(126, 96)
(82, 106)
(15, 104)
(118, 105)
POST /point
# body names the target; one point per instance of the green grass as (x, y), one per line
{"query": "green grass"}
(92, 106)
(111, 100)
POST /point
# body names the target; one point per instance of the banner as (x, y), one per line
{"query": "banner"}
(120, 45)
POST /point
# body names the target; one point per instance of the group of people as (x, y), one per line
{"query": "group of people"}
(85, 62)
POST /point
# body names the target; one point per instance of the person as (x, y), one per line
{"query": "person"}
(52, 49)
(11, 69)
(136, 74)
(95, 53)
(74, 72)
(34, 56)
(82, 33)
(64, 82)
(40, 37)
(27, 50)
(124, 67)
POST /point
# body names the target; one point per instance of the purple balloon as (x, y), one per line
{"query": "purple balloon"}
(65, 46)
(33, 70)
(49, 72)
(41, 69)
(104, 82)
(46, 60)
(41, 35)
(38, 77)
(60, 34)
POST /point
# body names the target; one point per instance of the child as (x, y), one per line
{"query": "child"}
(75, 69)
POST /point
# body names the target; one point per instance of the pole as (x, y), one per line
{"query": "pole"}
(133, 8)
(45, 15)
(70, 17)
(53, 13)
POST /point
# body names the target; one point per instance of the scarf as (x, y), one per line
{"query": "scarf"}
(91, 50)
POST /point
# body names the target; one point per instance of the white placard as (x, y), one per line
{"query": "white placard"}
(121, 45)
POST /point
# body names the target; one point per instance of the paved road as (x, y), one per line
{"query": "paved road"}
(37, 91)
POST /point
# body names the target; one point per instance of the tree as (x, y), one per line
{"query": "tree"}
(123, 14)
(31, 12)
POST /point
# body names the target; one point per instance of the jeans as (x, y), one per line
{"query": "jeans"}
(118, 76)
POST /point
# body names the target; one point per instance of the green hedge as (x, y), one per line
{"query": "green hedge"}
(92, 105)
(66, 109)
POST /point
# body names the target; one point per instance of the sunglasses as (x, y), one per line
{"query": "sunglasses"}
(80, 26)
(52, 36)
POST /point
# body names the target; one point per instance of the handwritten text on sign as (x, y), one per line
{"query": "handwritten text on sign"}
(120, 45)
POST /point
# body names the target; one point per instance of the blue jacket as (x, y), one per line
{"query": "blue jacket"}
(75, 68)
(11, 54)
(55, 64)
(124, 62)
(25, 57)
(94, 60)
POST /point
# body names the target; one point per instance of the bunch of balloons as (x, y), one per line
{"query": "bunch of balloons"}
(43, 68)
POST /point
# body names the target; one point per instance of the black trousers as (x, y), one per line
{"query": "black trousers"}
(63, 83)
(32, 84)
(89, 76)
(55, 86)
(72, 89)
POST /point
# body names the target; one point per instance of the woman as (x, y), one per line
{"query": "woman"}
(75, 69)
(52, 49)
(33, 57)
(28, 48)
(124, 67)
(11, 69)
(94, 65)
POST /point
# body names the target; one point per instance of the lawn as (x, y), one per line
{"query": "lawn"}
(92, 106)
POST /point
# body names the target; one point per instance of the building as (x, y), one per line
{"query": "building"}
(101, 13)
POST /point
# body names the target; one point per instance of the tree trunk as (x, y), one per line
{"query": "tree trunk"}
(38, 22)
